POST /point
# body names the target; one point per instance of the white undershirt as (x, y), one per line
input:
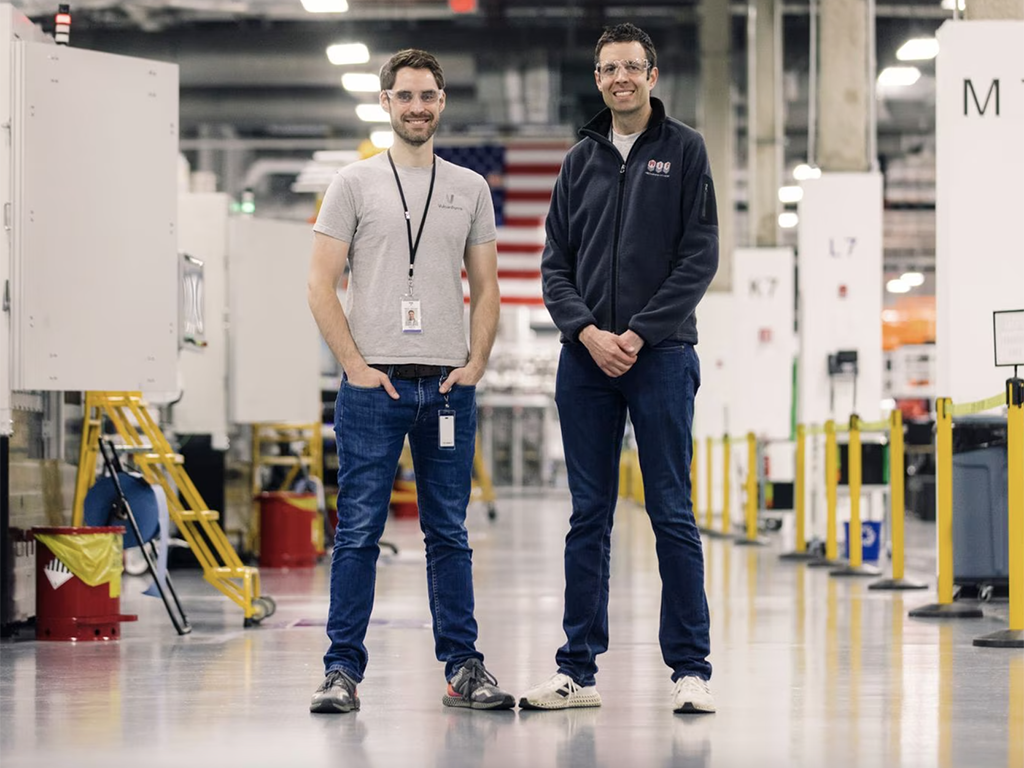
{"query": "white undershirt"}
(624, 143)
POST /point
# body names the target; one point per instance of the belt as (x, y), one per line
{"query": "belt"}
(412, 370)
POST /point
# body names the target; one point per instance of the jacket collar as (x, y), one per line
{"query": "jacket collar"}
(601, 124)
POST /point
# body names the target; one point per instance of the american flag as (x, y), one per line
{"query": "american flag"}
(521, 176)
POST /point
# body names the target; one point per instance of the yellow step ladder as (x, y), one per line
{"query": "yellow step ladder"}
(159, 464)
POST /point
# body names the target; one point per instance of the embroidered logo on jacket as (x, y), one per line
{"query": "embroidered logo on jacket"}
(658, 168)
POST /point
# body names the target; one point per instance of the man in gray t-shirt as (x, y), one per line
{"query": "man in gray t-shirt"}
(407, 224)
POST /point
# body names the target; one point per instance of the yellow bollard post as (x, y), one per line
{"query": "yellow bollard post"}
(831, 482)
(750, 508)
(897, 509)
(1014, 636)
(709, 471)
(944, 520)
(855, 566)
(800, 553)
(694, 495)
(726, 455)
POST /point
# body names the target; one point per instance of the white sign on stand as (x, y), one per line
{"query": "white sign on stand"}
(979, 198)
(840, 289)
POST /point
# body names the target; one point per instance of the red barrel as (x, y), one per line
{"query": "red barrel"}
(66, 607)
(286, 529)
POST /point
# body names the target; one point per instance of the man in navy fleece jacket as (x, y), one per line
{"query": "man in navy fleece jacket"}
(632, 245)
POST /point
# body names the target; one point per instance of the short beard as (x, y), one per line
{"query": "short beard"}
(413, 140)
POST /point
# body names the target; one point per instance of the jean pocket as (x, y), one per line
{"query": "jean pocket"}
(349, 385)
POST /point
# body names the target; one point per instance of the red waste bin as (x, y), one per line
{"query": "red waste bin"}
(286, 529)
(67, 608)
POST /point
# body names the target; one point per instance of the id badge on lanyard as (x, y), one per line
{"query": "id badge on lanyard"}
(411, 319)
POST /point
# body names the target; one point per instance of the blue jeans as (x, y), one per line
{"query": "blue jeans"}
(371, 428)
(657, 392)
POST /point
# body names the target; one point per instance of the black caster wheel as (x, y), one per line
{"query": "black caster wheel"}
(492, 512)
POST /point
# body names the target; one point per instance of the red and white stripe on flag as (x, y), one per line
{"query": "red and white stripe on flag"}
(530, 174)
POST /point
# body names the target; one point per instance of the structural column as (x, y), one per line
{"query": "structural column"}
(764, 128)
(845, 87)
(716, 124)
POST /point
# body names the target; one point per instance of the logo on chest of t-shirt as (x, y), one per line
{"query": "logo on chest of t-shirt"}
(448, 203)
(658, 168)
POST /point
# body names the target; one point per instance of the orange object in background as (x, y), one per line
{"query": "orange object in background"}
(908, 320)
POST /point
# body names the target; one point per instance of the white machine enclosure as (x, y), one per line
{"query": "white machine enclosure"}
(14, 28)
(840, 290)
(274, 354)
(764, 342)
(203, 234)
(979, 199)
(94, 274)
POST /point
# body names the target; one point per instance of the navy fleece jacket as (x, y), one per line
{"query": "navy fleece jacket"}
(632, 244)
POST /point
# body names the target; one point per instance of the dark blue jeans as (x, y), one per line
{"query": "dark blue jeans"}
(371, 430)
(657, 393)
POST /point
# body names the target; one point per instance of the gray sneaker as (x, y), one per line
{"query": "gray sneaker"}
(337, 693)
(474, 687)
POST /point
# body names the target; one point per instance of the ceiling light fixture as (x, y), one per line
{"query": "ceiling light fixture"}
(947, 5)
(372, 113)
(325, 6)
(913, 278)
(791, 194)
(360, 82)
(348, 53)
(803, 172)
(918, 49)
(382, 139)
(788, 220)
(897, 286)
(899, 77)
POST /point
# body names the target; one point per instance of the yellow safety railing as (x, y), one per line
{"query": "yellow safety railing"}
(751, 505)
(855, 475)
(945, 411)
(1013, 636)
(709, 513)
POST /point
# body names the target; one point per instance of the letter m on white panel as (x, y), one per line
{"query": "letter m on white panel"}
(970, 94)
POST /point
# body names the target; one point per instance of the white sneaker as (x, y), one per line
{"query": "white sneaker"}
(560, 692)
(692, 694)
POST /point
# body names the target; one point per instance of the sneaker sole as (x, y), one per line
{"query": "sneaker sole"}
(690, 709)
(331, 708)
(525, 703)
(451, 701)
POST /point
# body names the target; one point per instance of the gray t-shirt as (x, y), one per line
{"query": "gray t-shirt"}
(362, 207)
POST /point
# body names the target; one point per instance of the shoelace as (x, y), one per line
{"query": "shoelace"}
(693, 684)
(336, 677)
(476, 676)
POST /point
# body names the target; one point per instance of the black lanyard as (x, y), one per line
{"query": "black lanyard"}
(413, 247)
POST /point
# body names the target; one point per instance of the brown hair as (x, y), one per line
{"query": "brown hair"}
(414, 59)
(627, 33)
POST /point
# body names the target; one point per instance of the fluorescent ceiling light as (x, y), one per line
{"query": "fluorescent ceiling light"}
(360, 82)
(348, 53)
(372, 113)
(960, 4)
(325, 6)
(918, 49)
(803, 172)
(382, 139)
(897, 286)
(913, 279)
(896, 77)
(788, 220)
(791, 194)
